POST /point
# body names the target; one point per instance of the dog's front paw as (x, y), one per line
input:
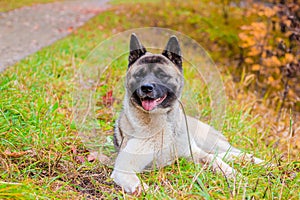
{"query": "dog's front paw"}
(231, 173)
(129, 182)
(140, 188)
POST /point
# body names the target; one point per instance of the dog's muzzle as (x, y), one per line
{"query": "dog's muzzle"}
(151, 95)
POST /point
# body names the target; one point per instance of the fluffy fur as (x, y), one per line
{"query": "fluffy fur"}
(151, 129)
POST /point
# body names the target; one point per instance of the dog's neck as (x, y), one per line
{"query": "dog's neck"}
(159, 120)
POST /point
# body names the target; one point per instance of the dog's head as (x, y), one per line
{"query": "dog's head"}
(154, 81)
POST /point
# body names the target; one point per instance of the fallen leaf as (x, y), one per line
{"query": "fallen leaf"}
(80, 159)
(288, 58)
(74, 150)
(97, 156)
(248, 79)
(100, 27)
(255, 67)
(91, 158)
(108, 99)
(70, 29)
(248, 60)
(17, 154)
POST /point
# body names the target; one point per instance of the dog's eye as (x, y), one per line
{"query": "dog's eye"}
(139, 75)
(161, 75)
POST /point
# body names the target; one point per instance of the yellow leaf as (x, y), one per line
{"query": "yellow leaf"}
(288, 58)
(243, 36)
(277, 71)
(260, 13)
(258, 25)
(267, 62)
(250, 42)
(248, 79)
(270, 48)
(240, 96)
(272, 62)
(270, 79)
(248, 60)
(259, 35)
(276, 61)
(292, 94)
(287, 22)
(244, 27)
(255, 67)
(298, 143)
(278, 39)
(269, 12)
(253, 52)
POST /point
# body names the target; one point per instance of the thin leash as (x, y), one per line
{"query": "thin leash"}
(187, 131)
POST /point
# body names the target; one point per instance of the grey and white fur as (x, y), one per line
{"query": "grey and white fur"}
(152, 130)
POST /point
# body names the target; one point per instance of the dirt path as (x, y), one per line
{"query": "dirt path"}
(26, 30)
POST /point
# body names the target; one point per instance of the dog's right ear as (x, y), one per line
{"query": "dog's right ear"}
(136, 49)
(173, 52)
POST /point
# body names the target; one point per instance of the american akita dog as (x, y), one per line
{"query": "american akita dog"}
(152, 129)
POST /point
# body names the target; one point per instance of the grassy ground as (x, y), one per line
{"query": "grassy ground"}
(42, 156)
(7, 5)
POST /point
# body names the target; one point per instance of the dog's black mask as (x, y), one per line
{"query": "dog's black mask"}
(150, 83)
(151, 95)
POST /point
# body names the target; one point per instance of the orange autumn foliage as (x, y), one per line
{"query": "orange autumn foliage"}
(270, 51)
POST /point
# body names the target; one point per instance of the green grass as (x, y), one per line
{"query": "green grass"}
(36, 117)
(7, 5)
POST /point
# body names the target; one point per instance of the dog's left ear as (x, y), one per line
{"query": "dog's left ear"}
(136, 49)
(173, 52)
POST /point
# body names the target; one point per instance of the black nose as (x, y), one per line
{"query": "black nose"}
(147, 88)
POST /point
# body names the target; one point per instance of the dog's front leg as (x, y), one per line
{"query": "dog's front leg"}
(131, 160)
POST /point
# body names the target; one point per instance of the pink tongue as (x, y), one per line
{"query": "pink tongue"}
(149, 104)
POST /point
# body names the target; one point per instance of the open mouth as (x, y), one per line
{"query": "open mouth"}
(150, 103)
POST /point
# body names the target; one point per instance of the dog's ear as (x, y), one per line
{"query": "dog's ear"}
(172, 51)
(136, 49)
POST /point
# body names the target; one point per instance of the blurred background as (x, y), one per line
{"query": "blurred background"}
(255, 45)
